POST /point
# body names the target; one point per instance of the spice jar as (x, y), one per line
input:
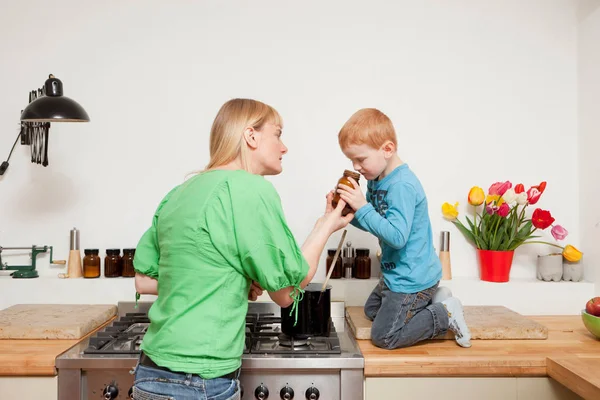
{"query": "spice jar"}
(112, 263)
(128, 270)
(344, 181)
(91, 263)
(337, 269)
(362, 264)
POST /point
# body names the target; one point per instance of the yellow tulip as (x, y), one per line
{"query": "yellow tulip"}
(570, 253)
(476, 196)
(450, 211)
(494, 197)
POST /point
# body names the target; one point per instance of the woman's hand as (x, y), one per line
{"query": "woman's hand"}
(333, 216)
(255, 291)
(353, 196)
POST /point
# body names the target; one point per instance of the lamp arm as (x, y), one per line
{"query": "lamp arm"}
(4, 165)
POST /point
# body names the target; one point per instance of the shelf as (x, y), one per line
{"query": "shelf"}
(526, 296)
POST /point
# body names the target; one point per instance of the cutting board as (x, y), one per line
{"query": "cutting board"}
(53, 321)
(485, 322)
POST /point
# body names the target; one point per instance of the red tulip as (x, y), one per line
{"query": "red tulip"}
(503, 210)
(534, 193)
(541, 219)
(499, 188)
(519, 188)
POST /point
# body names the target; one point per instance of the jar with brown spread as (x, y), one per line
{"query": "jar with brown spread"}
(362, 264)
(337, 268)
(91, 263)
(345, 181)
(112, 263)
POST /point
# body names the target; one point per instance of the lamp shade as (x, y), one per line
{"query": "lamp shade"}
(54, 107)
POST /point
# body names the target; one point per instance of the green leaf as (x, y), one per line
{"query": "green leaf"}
(468, 234)
(474, 232)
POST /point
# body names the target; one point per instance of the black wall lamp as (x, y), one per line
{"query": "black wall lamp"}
(46, 105)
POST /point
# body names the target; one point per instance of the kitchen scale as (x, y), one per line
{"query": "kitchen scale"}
(27, 271)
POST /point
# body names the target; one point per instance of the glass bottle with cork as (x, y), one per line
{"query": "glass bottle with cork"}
(345, 181)
(91, 263)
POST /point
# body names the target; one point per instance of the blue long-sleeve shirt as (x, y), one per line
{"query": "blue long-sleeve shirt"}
(397, 214)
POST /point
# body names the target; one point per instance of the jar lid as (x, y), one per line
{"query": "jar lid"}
(362, 252)
(91, 251)
(128, 250)
(331, 252)
(113, 252)
(352, 174)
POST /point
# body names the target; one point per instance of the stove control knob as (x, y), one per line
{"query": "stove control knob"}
(110, 392)
(261, 392)
(287, 393)
(312, 393)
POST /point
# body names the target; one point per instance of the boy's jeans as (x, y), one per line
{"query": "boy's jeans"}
(403, 319)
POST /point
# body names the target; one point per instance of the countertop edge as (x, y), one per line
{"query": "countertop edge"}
(46, 367)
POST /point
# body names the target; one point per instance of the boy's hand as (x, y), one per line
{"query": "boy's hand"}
(255, 291)
(353, 196)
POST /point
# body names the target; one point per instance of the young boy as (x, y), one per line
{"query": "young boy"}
(395, 210)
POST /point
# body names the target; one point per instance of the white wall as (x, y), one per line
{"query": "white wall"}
(478, 92)
(589, 145)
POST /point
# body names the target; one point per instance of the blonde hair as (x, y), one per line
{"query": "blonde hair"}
(367, 126)
(227, 132)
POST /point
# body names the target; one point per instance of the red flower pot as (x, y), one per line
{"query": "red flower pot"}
(495, 265)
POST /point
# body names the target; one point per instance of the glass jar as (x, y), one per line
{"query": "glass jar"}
(344, 181)
(128, 270)
(112, 263)
(362, 264)
(337, 269)
(91, 263)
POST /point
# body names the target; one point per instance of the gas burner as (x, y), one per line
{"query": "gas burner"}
(292, 342)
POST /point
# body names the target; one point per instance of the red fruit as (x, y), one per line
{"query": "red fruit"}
(593, 306)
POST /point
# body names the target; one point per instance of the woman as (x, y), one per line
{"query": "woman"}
(216, 241)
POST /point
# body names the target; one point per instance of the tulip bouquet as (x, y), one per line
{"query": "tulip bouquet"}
(500, 221)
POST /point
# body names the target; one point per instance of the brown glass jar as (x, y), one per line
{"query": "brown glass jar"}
(128, 270)
(112, 263)
(91, 263)
(337, 269)
(344, 181)
(362, 266)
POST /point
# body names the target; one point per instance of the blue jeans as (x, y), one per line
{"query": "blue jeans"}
(403, 319)
(155, 384)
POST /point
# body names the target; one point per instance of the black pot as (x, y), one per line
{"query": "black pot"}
(314, 316)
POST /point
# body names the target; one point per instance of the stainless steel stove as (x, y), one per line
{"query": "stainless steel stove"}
(274, 366)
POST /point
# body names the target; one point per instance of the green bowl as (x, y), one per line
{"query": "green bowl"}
(592, 323)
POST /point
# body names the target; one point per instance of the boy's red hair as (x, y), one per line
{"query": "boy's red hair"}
(367, 126)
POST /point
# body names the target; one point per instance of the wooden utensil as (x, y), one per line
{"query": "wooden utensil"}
(335, 257)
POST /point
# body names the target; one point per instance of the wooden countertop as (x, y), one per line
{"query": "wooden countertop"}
(578, 374)
(33, 357)
(567, 339)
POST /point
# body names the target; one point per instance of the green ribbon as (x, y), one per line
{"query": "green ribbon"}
(297, 295)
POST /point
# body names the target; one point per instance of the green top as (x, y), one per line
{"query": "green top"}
(210, 237)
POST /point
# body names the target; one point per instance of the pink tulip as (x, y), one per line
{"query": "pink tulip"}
(559, 232)
(490, 208)
(499, 188)
(503, 210)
